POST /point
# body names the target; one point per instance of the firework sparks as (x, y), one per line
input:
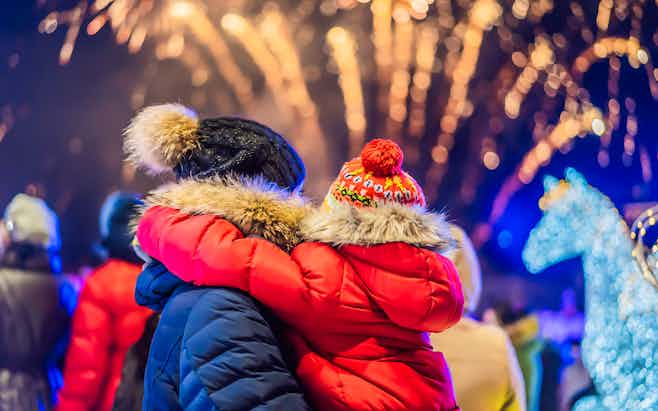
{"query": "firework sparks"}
(195, 19)
(428, 38)
(482, 16)
(415, 47)
(255, 45)
(132, 21)
(403, 43)
(343, 50)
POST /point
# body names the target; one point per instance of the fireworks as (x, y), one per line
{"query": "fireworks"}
(343, 50)
(427, 63)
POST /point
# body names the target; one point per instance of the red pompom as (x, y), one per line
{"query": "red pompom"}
(382, 158)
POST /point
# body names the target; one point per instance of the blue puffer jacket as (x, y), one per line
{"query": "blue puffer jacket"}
(213, 349)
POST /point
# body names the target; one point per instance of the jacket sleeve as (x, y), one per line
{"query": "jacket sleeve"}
(227, 327)
(446, 298)
(208, 250)
(431, 300)
(87, 359)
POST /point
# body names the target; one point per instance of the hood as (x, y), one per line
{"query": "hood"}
(387, 223)
(254, 205)
(155, 284)
(468, 267)
(114, 226)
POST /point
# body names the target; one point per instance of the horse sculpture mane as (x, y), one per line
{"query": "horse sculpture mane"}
(621, 330)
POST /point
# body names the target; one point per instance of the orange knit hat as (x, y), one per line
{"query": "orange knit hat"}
(375, 176)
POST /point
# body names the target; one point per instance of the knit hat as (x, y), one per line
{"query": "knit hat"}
(170, 136)
(30, 221)
(375, 176)
(117, 212)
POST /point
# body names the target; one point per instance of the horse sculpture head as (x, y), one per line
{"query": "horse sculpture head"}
(568, 225)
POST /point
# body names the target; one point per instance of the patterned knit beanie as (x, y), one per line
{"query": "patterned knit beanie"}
(376, 176)
(171, 137)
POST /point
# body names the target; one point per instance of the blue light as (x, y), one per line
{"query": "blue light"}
(620, 347)
(504, 239)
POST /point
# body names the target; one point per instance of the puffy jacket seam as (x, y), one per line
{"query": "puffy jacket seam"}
(381, 268)
(339, 295)
(162, 367)
(237, 380)
(343, 394)
(428, 282)
(250, 266)
(194, 369)
(209, 325)
(341, 389)
(457, 311)
(265, 404)
(309, 292)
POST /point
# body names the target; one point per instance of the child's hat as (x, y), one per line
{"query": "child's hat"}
(376, 176)
(30, 221)
(170, 136)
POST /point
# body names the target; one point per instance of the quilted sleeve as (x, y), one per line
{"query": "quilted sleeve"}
(87, 359)
(208, 250)
(443, 296)
(182, 241)
(429, 298)
(226, 327)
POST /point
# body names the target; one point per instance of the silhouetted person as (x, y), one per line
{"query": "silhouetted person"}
(33, 315)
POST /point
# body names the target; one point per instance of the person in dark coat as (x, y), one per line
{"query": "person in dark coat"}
(216, 348)
(34, 309)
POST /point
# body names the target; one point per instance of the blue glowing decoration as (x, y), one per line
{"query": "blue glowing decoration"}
(620, 346)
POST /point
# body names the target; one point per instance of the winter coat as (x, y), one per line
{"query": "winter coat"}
(130, 394)
(524, 334)
(106, 322)
(484, 367)
(481, 358)
(215, 348)
(358, 297)
(33, 329)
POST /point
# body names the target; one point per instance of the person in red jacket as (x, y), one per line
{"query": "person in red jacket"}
(359, 295)
(107, 320)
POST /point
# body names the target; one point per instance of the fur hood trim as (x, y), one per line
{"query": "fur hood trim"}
(386, 223)
(256, 206)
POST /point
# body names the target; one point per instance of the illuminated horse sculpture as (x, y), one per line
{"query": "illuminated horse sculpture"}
(620, 346)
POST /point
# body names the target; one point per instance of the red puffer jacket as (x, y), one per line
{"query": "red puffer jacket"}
(358, 313)
(106, 323)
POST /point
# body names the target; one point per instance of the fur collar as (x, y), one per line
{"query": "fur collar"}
(255, 206)
(387, 223)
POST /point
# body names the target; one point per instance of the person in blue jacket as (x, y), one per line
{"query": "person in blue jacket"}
(217, 348)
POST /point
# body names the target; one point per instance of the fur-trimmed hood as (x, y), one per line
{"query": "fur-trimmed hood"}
(260, 208)
(255, 206)
(386, 223)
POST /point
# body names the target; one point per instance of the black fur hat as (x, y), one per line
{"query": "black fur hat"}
(170, 137)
